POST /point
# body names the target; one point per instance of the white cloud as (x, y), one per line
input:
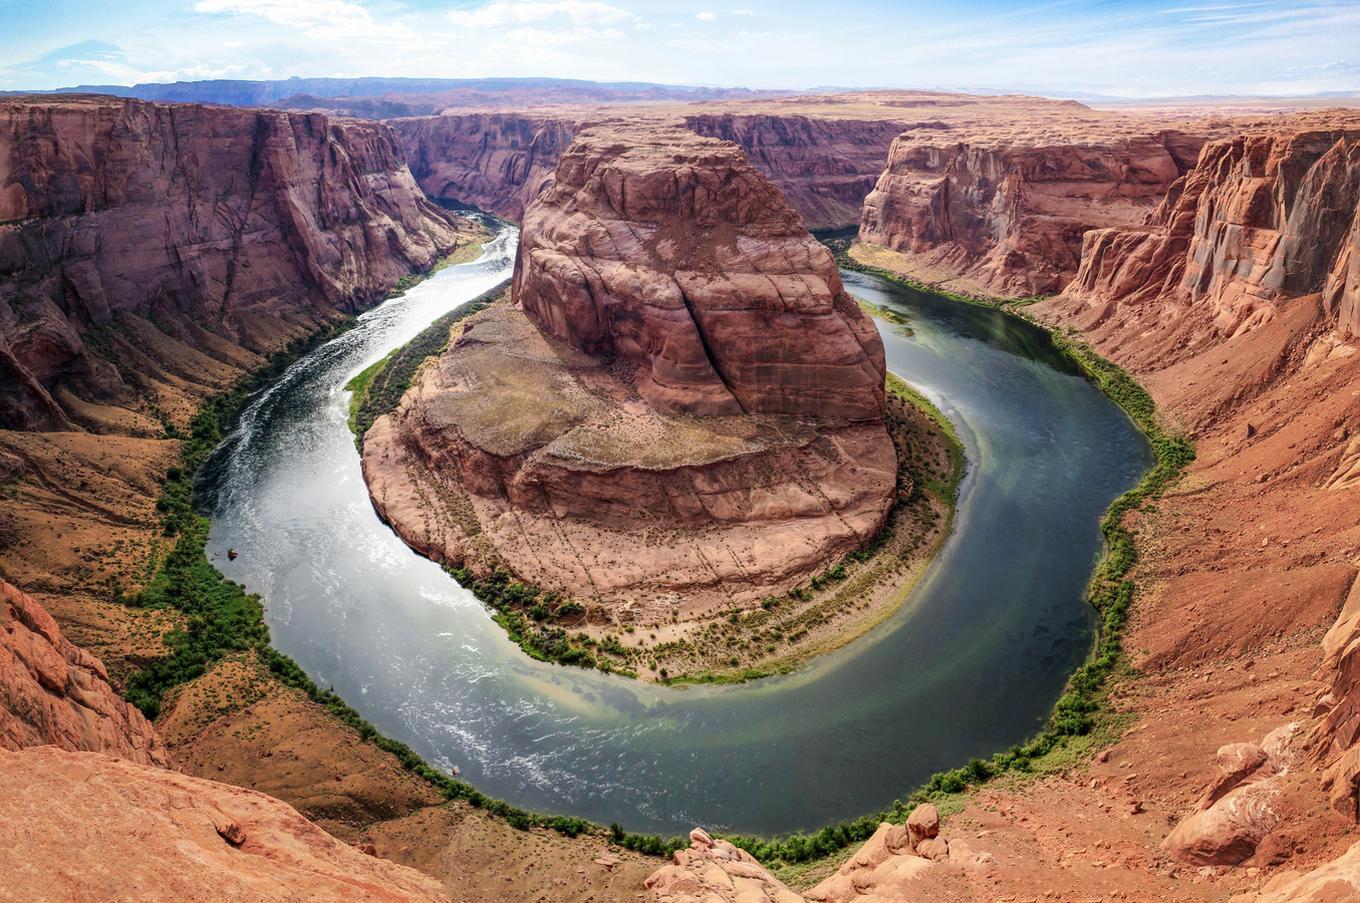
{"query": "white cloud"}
(705, 16)
(334, 20)
(500, 13)
(561, 37)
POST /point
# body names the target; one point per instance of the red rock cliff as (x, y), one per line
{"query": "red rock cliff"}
(495, 161)
(673, 252)
(124, 224)
(1006, 210)
(1261, 219)
(501, 161)
(825, 167)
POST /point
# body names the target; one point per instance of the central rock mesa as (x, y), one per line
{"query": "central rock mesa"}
(681, 409)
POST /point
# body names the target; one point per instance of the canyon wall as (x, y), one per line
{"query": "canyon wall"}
(1261, 219)
(501, 161)
(1003, 210)
(1236, 304)
(699, 404)
(141, 242)
(497, 162)
(825, 167)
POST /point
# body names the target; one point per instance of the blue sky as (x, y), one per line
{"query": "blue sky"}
(1136, 49)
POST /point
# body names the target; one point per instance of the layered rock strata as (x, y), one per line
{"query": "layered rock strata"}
(143, 246)
(500, 161)
(824, 166)
(1005, 211)
(682, 407)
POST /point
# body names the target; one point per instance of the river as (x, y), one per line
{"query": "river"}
(972, 663)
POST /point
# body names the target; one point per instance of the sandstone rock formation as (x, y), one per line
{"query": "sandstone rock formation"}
(713, 870)
(85, 826)
(52, 692)
(141, 242)
(1236, 811)
(1261, 218)
(1005, 209)
(501, 161)
(1337, 881)
(698, 403)
(899, 862)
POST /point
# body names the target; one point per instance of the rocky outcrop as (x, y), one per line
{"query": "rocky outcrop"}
(498, 162)
(53, 692)
(673, 253)
(714, 871)
(1236, 811)
(1261, 219)
(899, 862)
(1006, 210)
(825, 167)
(1337, 881)
(84, 826)
(699, 404)
(141, 242)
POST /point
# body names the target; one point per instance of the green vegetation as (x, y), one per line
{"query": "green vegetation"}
(944, 489)
(358, 389)
(522, 610)
(840, 248)
(378, 389)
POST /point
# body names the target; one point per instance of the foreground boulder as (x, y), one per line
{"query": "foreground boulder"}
(682, 409)
(54, 692)
(84, 826)
(1236, 811)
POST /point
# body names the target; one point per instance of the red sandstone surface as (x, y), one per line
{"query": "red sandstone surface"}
(87, 826)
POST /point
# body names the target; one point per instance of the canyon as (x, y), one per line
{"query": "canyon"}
(1218, 260)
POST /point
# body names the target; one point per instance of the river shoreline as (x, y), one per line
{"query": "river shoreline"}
(825, 612)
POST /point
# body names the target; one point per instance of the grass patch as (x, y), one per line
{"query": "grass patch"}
(379, 388)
